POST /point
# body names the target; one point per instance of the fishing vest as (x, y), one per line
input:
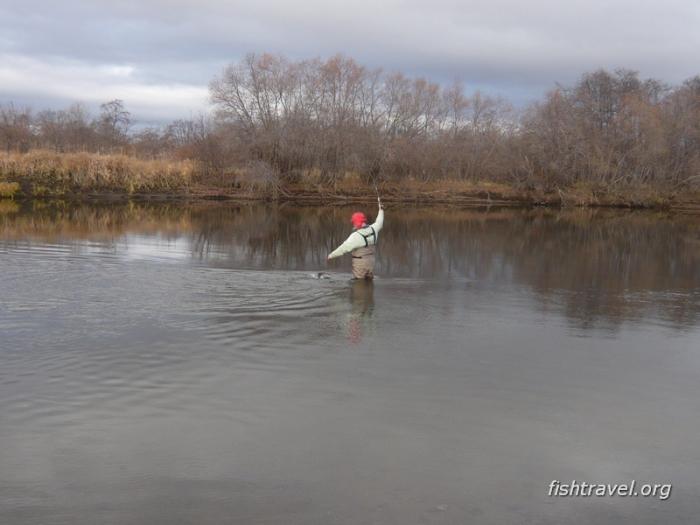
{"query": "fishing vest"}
(367, 249)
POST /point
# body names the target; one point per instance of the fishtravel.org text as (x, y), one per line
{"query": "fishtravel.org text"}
(583, 489)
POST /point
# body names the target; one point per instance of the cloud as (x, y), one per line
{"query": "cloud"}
(163, 52)
(66, 80)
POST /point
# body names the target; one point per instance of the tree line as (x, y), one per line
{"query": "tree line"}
(282, 120)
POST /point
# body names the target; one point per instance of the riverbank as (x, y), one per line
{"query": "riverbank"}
(83, 176)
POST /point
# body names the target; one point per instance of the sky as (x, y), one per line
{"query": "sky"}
(159, 56)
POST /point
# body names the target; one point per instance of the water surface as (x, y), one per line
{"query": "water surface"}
(173, 363)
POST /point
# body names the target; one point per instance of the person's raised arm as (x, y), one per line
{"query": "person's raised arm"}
(379, 222)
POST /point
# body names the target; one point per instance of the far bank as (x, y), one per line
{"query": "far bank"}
(82, 176)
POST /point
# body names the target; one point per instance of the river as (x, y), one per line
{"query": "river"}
(173, 363)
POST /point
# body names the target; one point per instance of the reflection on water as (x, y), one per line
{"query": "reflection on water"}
(362, 301)
(165, 363)
(600, 267)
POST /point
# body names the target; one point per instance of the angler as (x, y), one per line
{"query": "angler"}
(361, 243)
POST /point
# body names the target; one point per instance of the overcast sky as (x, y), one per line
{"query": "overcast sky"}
(159, 55)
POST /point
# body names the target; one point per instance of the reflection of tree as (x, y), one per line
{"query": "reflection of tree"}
(598, 267)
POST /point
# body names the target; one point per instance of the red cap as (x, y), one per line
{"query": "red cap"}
(358, 219)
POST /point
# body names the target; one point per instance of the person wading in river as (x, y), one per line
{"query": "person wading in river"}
(361, 243)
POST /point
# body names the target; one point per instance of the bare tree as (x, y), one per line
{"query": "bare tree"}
(329, 120)
(113, 124)
(15, 127)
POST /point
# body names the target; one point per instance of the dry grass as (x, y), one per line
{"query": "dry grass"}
(48, 174)
(44, 173)
(8, 189)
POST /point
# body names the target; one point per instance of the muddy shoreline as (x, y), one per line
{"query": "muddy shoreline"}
(474, 199)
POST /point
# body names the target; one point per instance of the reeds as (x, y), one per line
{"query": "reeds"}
(40, 173)
(8, 190)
